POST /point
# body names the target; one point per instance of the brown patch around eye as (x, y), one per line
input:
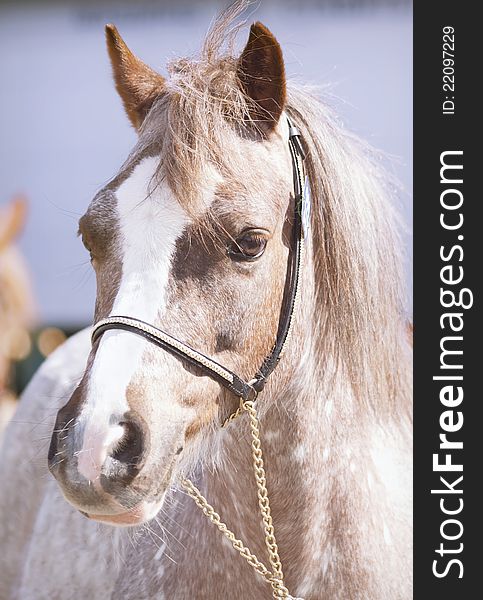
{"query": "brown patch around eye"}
(84, 235)
(87, 246)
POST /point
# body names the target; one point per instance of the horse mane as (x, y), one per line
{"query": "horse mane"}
(361, 311)
(360, 305)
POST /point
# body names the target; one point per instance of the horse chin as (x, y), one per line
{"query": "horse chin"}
(143, 512)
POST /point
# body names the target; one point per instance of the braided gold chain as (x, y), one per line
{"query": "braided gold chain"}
(275, 576)
(215, 518)
(263, 501)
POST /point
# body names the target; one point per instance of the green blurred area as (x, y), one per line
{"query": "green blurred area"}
(23, 370)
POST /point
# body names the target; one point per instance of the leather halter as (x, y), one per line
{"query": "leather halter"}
(241, 388)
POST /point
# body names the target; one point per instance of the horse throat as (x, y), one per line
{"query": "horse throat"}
(293, 454)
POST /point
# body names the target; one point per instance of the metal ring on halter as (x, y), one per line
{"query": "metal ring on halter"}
(253, 391)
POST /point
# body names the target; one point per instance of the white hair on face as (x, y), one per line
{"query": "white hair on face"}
(150, 221)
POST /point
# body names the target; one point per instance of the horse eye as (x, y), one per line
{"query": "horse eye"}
(248, 247)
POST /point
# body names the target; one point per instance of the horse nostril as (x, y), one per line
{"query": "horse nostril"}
(52, 449)
(129, 448)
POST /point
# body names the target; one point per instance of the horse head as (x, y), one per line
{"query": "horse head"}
(192, 235)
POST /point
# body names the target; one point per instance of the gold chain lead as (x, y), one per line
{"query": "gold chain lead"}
(275, 576)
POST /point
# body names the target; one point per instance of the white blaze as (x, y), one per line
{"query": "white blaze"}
(150, 222)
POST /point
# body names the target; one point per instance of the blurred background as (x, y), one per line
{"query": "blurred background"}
(63, 132)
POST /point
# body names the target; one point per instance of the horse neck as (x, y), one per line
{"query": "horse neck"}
(316, 440)
(295, 428)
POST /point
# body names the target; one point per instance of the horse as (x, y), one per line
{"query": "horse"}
(17, 306)
(192, 245)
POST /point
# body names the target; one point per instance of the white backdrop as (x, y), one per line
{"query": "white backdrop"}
(64, 134)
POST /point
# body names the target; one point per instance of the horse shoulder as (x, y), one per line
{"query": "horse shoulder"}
(23, 453)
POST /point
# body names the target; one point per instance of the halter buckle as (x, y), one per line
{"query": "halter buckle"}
(296, 139)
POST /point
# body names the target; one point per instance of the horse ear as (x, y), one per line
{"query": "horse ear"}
(137, 84)
(261, 73)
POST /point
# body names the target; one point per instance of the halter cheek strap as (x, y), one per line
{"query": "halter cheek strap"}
(241, 388)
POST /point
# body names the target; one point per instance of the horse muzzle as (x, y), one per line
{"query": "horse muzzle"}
(99, 467)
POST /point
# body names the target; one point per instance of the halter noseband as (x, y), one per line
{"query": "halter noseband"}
(241, 388)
